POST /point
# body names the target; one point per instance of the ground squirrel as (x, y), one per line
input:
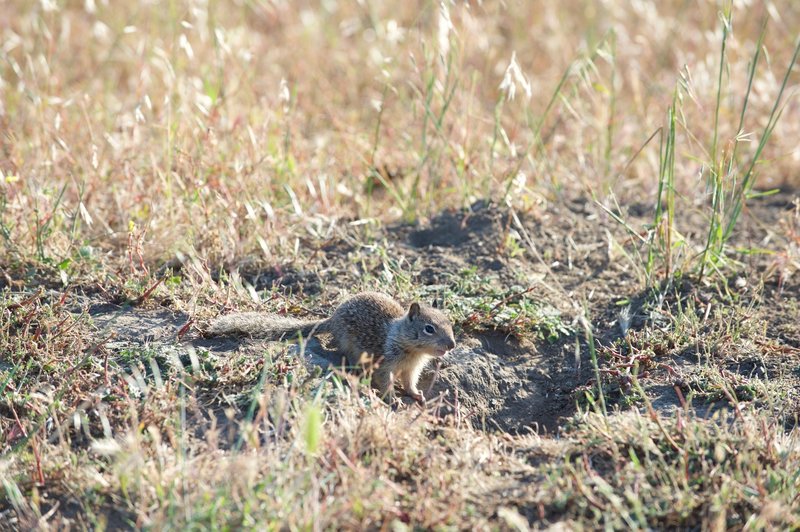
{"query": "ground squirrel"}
(367, 327)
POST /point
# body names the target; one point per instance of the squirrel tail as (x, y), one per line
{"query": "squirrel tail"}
(268, 326)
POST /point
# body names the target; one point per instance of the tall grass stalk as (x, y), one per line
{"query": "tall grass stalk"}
(43, 227)
(663, 222)
(435, 118)
(748, 181)
(714, 235)
(589, 335)
(612, 100)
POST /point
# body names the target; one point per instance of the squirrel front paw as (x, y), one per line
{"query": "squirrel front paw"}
(417, 396)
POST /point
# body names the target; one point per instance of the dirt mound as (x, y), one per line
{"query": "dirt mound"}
(499, 384)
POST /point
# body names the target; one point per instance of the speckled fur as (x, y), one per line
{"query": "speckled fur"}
(369, 328)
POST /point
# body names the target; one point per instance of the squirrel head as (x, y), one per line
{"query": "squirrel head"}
(430, 330)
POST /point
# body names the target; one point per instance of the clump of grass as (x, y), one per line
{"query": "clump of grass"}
(732, 181)
(700, 345)
(637, 471)
(730, 173)
(478, 304)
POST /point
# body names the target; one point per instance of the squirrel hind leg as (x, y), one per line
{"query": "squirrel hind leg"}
(348, 350)
(383, 382)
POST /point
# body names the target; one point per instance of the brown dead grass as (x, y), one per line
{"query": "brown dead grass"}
(150, 152)
(231, 132)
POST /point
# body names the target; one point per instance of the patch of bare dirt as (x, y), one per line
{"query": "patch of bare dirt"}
(501, 384)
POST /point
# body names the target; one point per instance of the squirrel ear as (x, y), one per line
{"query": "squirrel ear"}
(435, 303)
(413, 311)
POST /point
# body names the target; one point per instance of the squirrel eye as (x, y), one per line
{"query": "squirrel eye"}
(430, 329)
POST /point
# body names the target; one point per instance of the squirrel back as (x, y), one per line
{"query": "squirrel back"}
(362, 324)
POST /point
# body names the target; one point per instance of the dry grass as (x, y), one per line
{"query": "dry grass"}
(157, 148)
(231, 131)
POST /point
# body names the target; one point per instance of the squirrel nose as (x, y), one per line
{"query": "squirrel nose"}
(451, 343)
